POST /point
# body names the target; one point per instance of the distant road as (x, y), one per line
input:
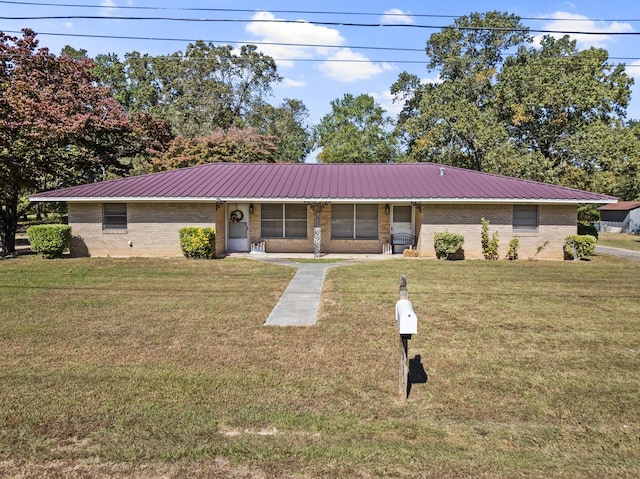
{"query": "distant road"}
(622, 253)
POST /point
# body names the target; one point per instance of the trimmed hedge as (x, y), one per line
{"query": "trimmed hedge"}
(447, 244)
(198, 243)
(577, 247)
(50, 241)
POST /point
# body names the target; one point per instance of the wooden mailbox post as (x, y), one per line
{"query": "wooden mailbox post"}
(407, 326)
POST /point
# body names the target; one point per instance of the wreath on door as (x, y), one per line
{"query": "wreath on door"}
(236, 216)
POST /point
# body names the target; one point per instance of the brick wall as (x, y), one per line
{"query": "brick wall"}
(555, 223)
(152, 228)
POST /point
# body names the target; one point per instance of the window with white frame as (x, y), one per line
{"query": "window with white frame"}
(354, 221)
(281, 220)
(525, 218)
(114, 216)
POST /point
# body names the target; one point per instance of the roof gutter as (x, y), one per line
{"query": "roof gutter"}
(208, 199)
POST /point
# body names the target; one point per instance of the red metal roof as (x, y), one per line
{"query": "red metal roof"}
(621, 206)
(321, 182)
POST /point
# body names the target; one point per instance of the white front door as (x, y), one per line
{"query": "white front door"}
(237, 227)
(401, 223)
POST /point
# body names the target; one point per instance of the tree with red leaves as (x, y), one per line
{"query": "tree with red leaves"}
(57, 123)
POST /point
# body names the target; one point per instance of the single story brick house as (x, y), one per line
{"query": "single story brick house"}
(319, 208)
(622, 217)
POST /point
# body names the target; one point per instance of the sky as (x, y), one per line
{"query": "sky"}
(320, 56)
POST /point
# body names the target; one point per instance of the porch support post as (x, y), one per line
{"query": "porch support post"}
(317, 207)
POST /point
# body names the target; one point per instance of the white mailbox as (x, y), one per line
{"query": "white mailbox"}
(406, 317)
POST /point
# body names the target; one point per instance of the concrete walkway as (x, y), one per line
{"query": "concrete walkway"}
(298, 305)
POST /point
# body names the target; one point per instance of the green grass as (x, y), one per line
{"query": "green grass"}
(620, 240)
(146, 368)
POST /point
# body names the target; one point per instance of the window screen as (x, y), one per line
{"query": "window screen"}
(367, 221)
(525, 217)
(342, 221)
(271, 220)
(284, 220)
(354, 221)
(114, 216)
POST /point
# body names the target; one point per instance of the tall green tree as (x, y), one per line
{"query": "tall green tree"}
(287, 122)
(55, 125)
(569, 106)
(198, 91)
(356, 131)
(453, 121)
(550, 113)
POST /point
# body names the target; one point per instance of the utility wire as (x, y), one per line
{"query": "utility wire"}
(306, 45)
(233, 42)
(298, 12)
(322, 23)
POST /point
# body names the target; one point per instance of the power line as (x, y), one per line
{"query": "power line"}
(233, 42)
(321, 23)
(306, 45)
(298, 12)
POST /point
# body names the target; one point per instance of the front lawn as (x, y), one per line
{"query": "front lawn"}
(162, 368)
(620, 240)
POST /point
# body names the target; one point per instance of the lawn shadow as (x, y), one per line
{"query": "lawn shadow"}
(417, 373)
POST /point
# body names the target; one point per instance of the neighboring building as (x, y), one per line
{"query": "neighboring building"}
(622, 217)
(328, 208)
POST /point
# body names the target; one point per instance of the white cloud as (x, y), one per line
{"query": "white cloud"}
(348, 66)
(108, 8)
(291, 83)
(301, 32)
(565, 22)
(67, 25)
(633, 70)
(385, 100)
(434, 80)
(395, 16)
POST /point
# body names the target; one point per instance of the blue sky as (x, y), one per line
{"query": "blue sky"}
(312, 74)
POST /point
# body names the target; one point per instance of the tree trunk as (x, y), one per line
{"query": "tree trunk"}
(9, 225)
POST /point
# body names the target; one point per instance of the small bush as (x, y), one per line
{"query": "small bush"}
(447, 244)
(489, 246)
(198, 243)
(587, 229)
(50, 241)
(410, 253)
(514, 244)
(577, 247)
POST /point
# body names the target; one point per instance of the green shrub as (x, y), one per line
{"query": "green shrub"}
(50, 241)
(447, 244)
(198, 243)
(577, 247)
(514, 244)
(489, 246)
(587, 229)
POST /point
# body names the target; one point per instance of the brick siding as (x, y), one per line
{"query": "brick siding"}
(152, 230)
(555, 223)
